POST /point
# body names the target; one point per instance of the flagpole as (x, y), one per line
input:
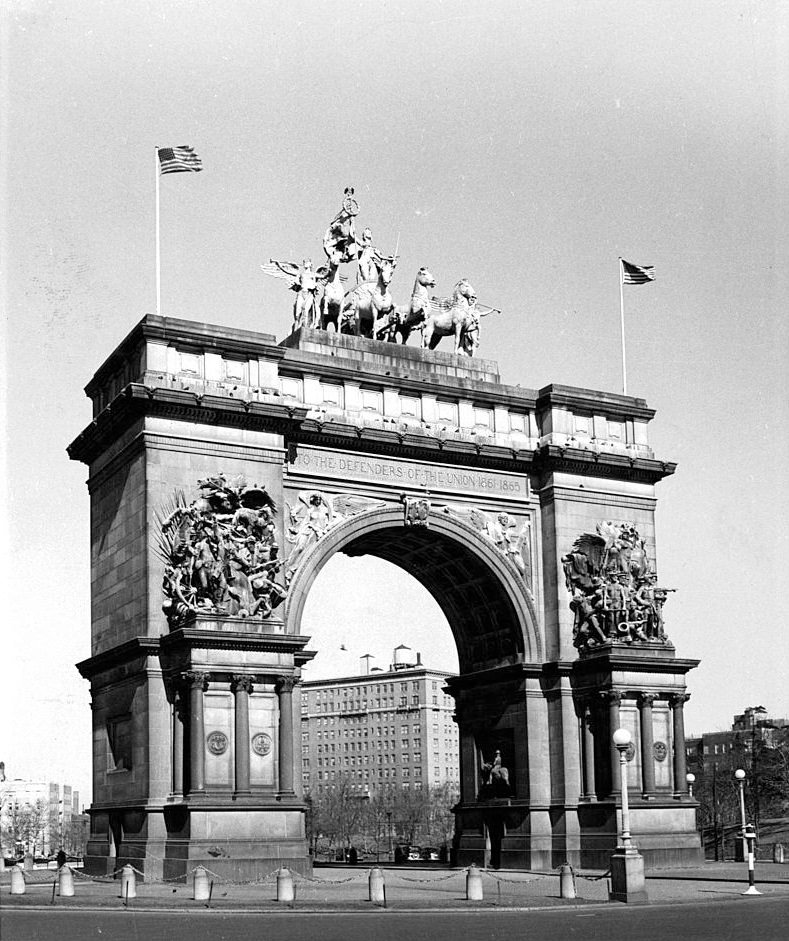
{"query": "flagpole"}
(158, 252)
(622, 322)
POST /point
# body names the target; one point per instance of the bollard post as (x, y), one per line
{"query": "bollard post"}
(474, 884)
(65, 882)
(17, 881)
(284, 885)
(778, 852)
(128, 882)
(750, 837)
(566, 882)
(200, 893)
(375, 886)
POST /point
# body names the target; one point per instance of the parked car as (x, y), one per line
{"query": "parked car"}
(414, 854)
(430, 854)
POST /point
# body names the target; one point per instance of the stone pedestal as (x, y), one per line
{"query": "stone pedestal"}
(627, 877)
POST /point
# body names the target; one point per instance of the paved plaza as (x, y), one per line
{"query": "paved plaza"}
(346, 890)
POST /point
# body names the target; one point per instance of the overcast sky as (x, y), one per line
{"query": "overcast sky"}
(524, 146)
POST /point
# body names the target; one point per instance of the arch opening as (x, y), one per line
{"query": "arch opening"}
(484, 599)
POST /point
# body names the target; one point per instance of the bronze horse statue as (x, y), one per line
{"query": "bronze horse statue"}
(366, 310)
(333, 292)
(408, 317)
(454, 316)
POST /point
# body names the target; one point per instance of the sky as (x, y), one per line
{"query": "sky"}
(523, 146)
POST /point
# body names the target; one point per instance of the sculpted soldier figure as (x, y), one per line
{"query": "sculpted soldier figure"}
(368, 258)
(615, 597)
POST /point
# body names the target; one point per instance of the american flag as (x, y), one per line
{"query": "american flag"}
(636, 274)
(179, 160)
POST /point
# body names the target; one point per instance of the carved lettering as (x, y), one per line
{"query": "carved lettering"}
(382, 470)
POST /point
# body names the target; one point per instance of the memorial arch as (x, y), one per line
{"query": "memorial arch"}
(226, 469)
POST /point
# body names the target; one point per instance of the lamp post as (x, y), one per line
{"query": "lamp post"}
(389, 827)
(627, 864)
(622, 739)
(691, 779)
(742, 844)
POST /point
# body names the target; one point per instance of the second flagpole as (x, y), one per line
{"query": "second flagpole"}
(158, 256)
(622, 322)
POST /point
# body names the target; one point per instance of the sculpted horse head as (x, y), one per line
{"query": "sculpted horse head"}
(424, 279)
(463, 293)
(385, 268)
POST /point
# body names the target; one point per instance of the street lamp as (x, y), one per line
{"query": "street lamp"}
(627, 864)
(739, 775)
(389, 826)
(691, 779)
(622, 739)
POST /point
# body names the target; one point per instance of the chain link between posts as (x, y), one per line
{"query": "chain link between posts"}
(362, 875)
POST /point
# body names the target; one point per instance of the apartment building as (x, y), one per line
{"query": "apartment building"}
(380, 729)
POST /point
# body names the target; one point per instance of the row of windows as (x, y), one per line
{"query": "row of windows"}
(358, 705)
(584, 425)
(372, 400)
(379, 773)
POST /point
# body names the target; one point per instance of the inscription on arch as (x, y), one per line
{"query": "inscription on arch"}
(316, 462)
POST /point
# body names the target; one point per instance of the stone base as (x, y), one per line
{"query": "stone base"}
(168, 843)
(627, 877)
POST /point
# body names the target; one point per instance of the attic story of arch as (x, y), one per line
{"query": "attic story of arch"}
(324, 301)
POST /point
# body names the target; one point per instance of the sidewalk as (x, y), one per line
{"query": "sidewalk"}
(346, 889)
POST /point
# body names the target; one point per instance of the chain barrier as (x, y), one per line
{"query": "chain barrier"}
(498, 878)
(354, 878)
(452, 875)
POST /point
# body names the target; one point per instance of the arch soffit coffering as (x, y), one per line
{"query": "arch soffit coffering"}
(490, 591)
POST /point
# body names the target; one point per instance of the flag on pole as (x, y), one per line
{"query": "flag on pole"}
(179, 160)
(636, 274)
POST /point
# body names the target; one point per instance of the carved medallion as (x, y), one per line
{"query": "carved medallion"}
(660, 750)
(630, 752)
(261, 744)
(217, 743)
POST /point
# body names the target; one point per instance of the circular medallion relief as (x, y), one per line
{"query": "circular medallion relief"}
(261, 743)
(660, 750)
(630, 752)
(217, 743)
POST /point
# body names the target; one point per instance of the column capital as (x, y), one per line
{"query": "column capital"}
(612, 696)
(196, 679)
(647, 699)
(242, 682)
(678, 700)
(285, 684)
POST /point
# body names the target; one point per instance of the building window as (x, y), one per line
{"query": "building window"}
(235, 371)
(292, 389)
(119, 739)
(190, 363)
(519, 422)
(448, 412)
(582, 424)
(615, 430)
(372, 401)
(484, 417)
(410, 406)
(331, 393)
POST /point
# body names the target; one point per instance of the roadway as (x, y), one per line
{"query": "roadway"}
(765, 918)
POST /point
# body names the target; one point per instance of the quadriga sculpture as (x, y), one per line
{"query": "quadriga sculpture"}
(366, 310)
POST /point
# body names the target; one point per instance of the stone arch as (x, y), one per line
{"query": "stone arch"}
(482, 594)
